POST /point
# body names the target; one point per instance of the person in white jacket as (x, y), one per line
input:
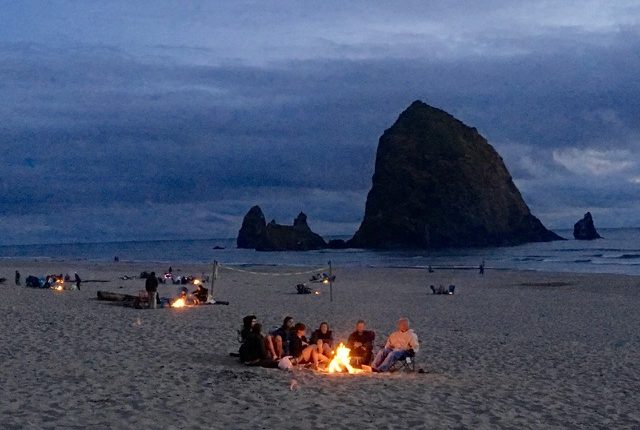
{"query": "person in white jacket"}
(401, 344)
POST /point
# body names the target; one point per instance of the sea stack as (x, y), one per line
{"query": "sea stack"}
(584, 229)
(438, 183)
(256, 234)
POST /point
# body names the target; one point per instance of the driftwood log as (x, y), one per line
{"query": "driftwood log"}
(115, 297)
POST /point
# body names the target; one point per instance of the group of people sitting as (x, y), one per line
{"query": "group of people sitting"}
(289, 342)
(51, 281)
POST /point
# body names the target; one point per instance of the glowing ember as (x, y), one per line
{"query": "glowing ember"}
(179, 303)
(341, 361)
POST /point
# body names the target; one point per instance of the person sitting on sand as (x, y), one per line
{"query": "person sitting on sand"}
(253, 351)
(401, 344)
(247, 324)
(280, 338)
(360, 343)
(300, 349)
(323, 339)
(201, 293)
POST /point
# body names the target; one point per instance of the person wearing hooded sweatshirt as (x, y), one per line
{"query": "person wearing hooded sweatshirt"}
(401, 344)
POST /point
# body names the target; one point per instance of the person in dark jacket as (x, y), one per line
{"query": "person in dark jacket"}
(253, 351)
(280, 338)
(247, 324)
(17, 278)
(78, 280)
(151, 285)
(323, 339)
(201, 293)
(360, 343)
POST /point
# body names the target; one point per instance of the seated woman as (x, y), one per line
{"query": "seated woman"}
(300, 349)
(253, 351)
(323, 339)
(279, 339)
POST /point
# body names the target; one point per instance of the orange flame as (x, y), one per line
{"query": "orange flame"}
(179, 303)
(341, 361)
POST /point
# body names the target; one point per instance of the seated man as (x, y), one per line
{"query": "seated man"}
(360, 343)
(279, 339)
(401, 344)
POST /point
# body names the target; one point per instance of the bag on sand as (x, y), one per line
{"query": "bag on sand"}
(285, 364)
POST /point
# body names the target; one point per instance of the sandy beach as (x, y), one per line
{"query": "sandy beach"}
(508, 350)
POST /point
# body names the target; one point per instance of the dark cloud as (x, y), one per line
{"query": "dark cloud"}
(98, 136)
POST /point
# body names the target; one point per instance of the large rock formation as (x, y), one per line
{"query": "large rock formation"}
(253, 230)
(585, 229)
(438, 183)
(255, 233)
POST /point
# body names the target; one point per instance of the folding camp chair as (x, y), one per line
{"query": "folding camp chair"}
(407, 364)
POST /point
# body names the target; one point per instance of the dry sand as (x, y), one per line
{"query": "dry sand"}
(560, 351)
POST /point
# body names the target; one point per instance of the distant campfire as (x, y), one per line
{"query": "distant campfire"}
(58, 285)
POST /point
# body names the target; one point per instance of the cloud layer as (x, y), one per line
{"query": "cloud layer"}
(130, 122)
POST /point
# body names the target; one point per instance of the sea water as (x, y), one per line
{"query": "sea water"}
(618, 252)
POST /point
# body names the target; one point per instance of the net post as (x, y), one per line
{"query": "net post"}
(330, 282)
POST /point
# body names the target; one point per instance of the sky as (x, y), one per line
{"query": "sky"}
(169, 119)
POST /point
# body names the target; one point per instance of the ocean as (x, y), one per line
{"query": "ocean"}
(618, 252)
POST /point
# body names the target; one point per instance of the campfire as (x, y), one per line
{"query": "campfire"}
(179, 303)
(59, 285)
(341, 361)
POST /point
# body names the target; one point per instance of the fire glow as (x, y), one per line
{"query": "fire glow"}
(341, 361)
(58, 286)
(179, 303)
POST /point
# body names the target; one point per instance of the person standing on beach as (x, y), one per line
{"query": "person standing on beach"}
(151, 285)
(17, 278)
(78, 280)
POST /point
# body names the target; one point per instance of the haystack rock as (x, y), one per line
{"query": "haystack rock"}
(438, 183)
(253, 230)
(585, 229)
(256, 234)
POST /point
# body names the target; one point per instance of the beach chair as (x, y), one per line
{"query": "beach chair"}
(407, 364)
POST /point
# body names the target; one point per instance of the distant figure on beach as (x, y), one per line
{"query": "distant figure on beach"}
(482, 268)
(401, 344)
(281, 337)
(430, 269)
(170, 269)
(151, 285)
(17, 279)
(323, 339)
(78, 280)
(360, 343)
(116, 259)
(442, 290)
